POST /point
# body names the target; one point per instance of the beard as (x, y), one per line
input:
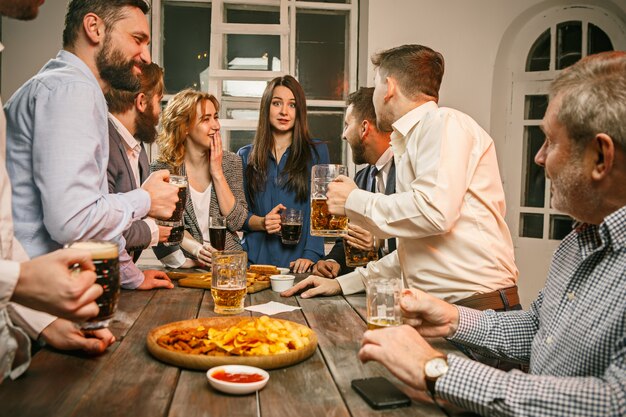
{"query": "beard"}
(115, 70)
(358, 153)
(572, 193)
(146, 125)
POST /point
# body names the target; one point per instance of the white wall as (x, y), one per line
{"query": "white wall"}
(29, 45)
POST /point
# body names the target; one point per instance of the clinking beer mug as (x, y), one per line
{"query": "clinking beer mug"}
(322, 222)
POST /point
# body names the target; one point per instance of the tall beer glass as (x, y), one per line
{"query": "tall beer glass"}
(105, 259)
(383, 302)
(228, 281)
(322, 222)
(176, 221)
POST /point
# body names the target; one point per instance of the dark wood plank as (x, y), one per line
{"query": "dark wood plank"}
(340, 330)
(195, 397)
(133, 382)
(304, 389)
(49, 387)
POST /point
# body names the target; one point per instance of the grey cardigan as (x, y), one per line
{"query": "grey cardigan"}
(233, 171)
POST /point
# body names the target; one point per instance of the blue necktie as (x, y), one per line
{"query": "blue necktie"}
(373, 173)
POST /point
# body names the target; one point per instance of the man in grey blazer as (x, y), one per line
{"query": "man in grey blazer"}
(369, 146)
(132, 122)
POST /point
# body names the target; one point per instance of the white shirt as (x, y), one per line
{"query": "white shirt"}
(14, 341)
(383, 165)
(133, 150)
(201, 202)
(447, 212)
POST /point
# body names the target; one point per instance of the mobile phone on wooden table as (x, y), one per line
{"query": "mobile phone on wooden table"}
(379, 393)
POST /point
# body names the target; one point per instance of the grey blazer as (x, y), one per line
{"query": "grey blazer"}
(122, 180)
(233, 171)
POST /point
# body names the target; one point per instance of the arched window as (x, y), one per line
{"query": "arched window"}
(555, 49)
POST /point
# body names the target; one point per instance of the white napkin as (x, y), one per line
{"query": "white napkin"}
(272, 308)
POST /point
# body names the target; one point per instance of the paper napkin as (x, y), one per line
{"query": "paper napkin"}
(272, 308)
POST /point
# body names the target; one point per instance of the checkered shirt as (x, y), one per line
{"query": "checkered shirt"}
(573, 336)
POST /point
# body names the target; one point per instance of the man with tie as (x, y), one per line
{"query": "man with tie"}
(369, 146)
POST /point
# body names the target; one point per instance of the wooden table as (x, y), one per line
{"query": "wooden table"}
(128, 381)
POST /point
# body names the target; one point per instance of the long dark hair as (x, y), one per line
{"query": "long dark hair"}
(296, 173)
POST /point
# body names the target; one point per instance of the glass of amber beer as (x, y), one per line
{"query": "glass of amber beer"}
(105, 258)
(359, 257)
(228, 281)
(176, 221)
(322, 222)
(383, 302)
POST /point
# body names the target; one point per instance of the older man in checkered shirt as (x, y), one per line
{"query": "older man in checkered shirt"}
(573, 337)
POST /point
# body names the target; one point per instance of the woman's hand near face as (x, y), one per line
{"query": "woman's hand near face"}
(215, 156)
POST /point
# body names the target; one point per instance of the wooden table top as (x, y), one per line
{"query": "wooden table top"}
(128, 381)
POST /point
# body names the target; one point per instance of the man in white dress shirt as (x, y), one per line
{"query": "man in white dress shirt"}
(448, 209)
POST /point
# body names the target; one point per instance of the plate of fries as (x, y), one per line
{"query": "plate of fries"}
(203, 343)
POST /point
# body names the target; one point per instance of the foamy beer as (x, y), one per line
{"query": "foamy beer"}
(105, 258)
(228, 281)
(176, 221)
(322, 222)
(383, 302)
(359, 257)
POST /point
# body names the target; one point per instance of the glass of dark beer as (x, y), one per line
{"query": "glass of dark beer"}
(291, 226)
(176, 221)
(322, 222)
(106, 260)
(217, 232)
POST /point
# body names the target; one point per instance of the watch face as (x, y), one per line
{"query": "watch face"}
(435, 368)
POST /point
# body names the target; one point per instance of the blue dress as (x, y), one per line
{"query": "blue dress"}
(264, 248)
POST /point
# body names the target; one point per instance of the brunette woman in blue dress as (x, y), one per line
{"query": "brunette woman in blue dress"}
(277, 175)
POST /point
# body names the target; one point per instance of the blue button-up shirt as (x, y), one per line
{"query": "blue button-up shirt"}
(57, 155)
(264, 248)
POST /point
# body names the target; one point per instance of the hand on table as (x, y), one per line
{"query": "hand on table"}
(320, 286)
(64, 335)
(155, 279)
(326, 269)
(402, 350)
(300, 265)
(337, 194)
(48, 283)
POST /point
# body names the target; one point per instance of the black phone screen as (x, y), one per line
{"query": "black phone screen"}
(379, 393)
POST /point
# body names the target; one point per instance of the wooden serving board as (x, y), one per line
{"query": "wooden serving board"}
(190, 273)
(204, 362)
(205, 283)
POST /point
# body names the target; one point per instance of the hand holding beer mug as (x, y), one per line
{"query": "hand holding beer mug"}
(228, 281)
(322, 222)
(291, 226)
(176, 221)
(383, 302)
(106, 261)
(356, 256)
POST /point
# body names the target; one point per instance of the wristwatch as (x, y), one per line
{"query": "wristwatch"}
(433, 369)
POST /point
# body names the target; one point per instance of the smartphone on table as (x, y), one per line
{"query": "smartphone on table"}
(379, 393)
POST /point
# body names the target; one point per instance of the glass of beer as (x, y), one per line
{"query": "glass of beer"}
(291, 226)
(322, 222)
(176, 221)
(217, 232)
(359, 257)
(228, 281)
(383, 302)
(105, 258)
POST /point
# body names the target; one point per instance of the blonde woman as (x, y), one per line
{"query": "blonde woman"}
(190, 145)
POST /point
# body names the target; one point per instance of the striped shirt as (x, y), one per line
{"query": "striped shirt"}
(573, 337)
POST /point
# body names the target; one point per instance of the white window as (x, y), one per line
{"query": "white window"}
(232, 48)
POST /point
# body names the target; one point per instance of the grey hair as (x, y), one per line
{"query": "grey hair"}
(593, 98)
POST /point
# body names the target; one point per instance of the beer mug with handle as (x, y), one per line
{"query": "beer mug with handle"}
(322, 222)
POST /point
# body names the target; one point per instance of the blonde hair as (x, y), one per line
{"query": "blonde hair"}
(177, 118)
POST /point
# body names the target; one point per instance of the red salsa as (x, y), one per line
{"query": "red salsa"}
(239, 378)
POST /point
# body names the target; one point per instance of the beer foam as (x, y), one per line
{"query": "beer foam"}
(99, 250)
